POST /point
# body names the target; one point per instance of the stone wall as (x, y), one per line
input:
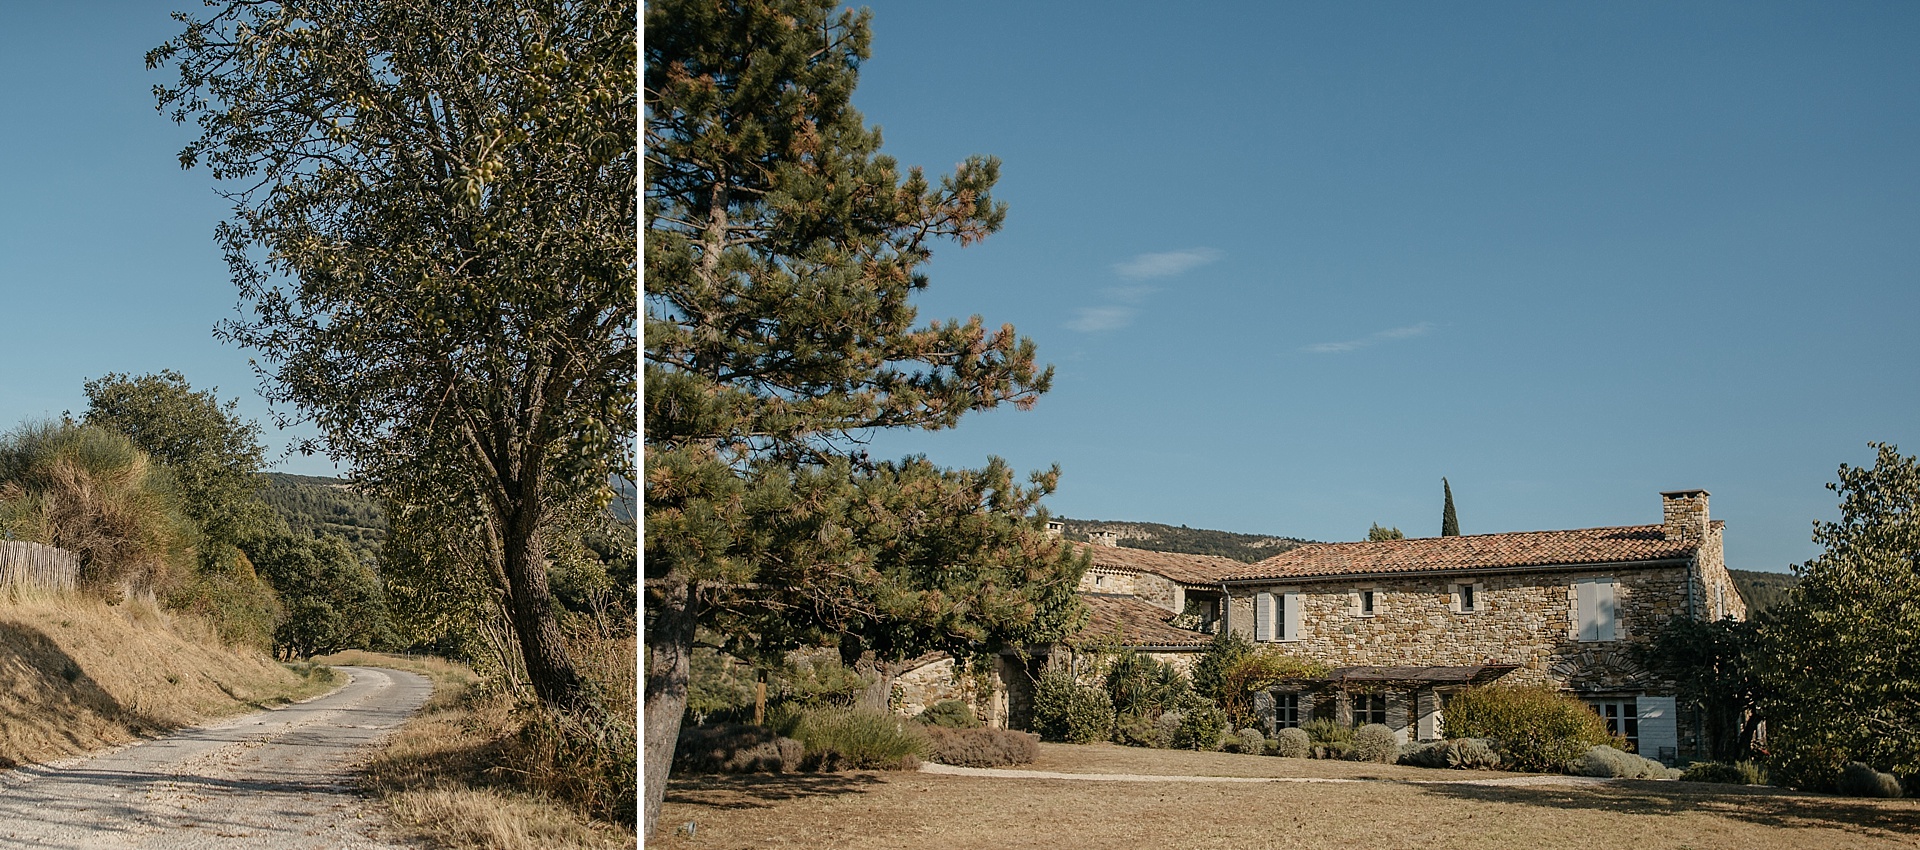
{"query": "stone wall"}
(986, 691)
(1108, 580)
(1525, 619)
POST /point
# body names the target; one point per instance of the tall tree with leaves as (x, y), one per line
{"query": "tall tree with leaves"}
(1711, 665)
(1449, 524)
(1840, 659)
(781, 253)
(1376, 533)
(433, 222)
(215, 455)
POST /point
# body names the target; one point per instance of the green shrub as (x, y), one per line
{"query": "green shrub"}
(1248, 740)
(1374, 742)
(982, 747)
(1332, 750)
(1138, 731)
(589, 758)
(1065, 710)
(859, 739)
(1458, 753)
(1737, 773)
(735, 748)
(1201, 725)
(1858, 779)
(1141, 686)
(1533, 727)
(1292, 743)
(950, 714)
(1326, 731)
(1611, 763)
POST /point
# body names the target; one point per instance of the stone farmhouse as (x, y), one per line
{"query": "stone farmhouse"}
(1404, 624)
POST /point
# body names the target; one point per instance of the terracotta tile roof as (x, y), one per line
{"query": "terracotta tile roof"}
(1137, 623)
(1620, 544)
(1183, 568)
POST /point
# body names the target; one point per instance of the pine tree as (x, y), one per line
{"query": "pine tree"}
(781, 251)
(1449, 524)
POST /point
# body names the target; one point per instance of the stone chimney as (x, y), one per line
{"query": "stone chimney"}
(1683, 515)
(1055, 528)
(1106, 538)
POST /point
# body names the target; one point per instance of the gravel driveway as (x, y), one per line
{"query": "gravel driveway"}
(279, 779)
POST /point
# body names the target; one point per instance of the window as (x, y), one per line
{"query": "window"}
(1286, 711)
(1466, 599)
(1363, 603)
(1099, 580)
(1276, 616)
(1623, 719)
(1594, 615)
(1369, 708)
(1366, 603)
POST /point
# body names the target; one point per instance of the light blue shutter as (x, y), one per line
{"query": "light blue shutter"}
(1290, 616)
(1603, 610)
(1263, 616)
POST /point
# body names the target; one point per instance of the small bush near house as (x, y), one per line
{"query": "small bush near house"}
(1292, 743)
(735, 748)
(1138, 731)
(1859, 779)
(1737, 773)
(1610, 763)
(982, 747)
(1248, 740)
(951, 714)
(1065, 710)
(1167, 725)
(1533, 727)
(859, 739)
(1374, 742)
(1202, 724)
(1325, 731)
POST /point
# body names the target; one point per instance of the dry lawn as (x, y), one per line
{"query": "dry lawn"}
(441, 774)
(1399, 810)
(77, 674)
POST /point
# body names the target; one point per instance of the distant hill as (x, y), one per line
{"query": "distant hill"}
(1155, 537)
(1762, 590)
(318, 505)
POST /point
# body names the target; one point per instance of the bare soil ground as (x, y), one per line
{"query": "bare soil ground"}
(1402, 808)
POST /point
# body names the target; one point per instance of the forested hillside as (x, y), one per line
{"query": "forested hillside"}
(1156, 537)
(1762, 590)
(317, 505)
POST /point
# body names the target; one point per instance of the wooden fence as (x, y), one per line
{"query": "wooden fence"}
(37, 565)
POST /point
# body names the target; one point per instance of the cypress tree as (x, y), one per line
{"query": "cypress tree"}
(1449, 524)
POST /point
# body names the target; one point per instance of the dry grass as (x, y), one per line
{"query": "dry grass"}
(77, 674)
(889, 810)
(441, 774)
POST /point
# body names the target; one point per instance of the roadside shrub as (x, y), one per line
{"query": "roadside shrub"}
(1327, 731)
(588, 758)
(1859, 779)
(1201, 725)
(1253, 740)
(1533, 727)
(1065, 710)
(951, 714)
(1292, 743)
(859, 739)
(735, 748)
(980, 747)
(1607, 762)
(1374, 742)
(1737, 773)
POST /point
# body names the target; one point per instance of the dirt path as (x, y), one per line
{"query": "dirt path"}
(278, 779)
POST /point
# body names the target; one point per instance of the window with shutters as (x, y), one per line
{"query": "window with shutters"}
(1595, 615)
(1276, 616)
(1369, 708)
(1623, 719)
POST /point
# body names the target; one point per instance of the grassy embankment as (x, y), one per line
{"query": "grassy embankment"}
(456, 774)
(77, 674)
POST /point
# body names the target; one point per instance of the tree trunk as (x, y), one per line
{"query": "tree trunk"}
(530, 609)
(669, 666)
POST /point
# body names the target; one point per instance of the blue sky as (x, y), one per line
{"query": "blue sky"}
(107, 259)
(1296, 262)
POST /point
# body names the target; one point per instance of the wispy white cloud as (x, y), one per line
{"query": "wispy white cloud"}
(1104, 318)
(1374, 338)
(1165, 264)
(1132, 294)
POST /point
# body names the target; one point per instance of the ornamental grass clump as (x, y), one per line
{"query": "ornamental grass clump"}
(1458, 754)
(859, 739)
(1737, 773)
(980, 747)
(1858, 779)
(1374, 742)
(1533, 727)
(1292, 743)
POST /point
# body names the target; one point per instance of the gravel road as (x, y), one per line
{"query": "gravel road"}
(279, 779)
